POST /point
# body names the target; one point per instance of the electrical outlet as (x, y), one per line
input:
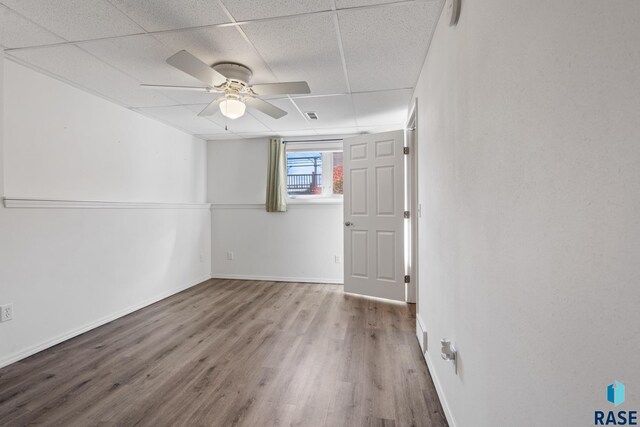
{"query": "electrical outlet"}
(230, 256)
(337, 259)
(6, 312)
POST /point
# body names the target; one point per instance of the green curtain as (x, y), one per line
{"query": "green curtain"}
(277, 177)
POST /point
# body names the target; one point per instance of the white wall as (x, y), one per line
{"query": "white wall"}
(67, 270)
(298, 245)
(529, 156)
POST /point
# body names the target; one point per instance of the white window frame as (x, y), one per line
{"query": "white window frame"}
(327, 149)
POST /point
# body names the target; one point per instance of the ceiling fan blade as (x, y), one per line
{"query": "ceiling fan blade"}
(211, 109)
(286, 88)
(191, 88)
(265, 107)
(184, 61)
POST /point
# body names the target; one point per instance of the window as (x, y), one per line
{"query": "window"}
(315, 172)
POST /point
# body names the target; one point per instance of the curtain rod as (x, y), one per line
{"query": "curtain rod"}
(314, 140)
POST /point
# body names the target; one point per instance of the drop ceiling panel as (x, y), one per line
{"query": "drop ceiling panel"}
(76, 19)
(385, 46)
(293, 121)
(382, 108)
(219, 136)
(186, 97)
(159, 15)
(182, 118)
(301, 48)
(251, 9)
(82, 69)
(285, 134)
(16, 31)
(247, 123)
(380, 129)
(341, 4)
(218, 44)
(338, 131)
(293, 133)
(333, 111)
(144, 58)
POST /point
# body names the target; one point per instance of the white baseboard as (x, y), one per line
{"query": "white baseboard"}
(22, 354)
(421, 333)
(277, 278)
(420, 329)
(15, 202)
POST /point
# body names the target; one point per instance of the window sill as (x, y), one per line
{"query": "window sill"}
(314, 200)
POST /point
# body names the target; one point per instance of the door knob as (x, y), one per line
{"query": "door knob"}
(348, 223)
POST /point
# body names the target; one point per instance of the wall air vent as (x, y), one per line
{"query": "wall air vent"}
(311, 115)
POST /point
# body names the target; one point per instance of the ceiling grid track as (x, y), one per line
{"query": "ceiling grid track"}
(336, 24)
(246, 38)
(120, 76)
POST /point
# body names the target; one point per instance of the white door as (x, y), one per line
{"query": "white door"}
(374, 215)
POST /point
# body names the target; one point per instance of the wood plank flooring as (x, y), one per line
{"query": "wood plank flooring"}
(233, 353)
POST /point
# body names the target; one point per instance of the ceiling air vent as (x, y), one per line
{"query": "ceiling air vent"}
(311, 115)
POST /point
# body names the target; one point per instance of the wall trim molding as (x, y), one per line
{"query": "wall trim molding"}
(290, 205)
(23, 354)
(277, 278)
(24, 203)
(436, 382)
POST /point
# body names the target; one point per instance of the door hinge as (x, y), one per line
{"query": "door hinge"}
(406, 150)
(407, 215)
(407, 279)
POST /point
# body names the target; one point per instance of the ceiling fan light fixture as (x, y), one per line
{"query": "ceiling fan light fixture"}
(232, 108)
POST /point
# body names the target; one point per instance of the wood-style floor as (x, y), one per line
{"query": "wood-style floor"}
(227, 353)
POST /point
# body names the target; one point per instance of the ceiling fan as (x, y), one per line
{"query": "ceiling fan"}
(231, 81)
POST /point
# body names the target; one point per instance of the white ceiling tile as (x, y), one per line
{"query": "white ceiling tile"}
(76, 19)
(251, 9)
(302, 48)
(333, 111)
(296, 133)
(247, 123)
(159, 15)
(385, 46)
(292, 121)
(144, 58)
(218, 44)
(338, 131)
(182, 118)
(186, 97)
(379, 129)
(17, 31)
(382, 108)
(219, 136)
(272, 134)
(341, 4)
(81, 68)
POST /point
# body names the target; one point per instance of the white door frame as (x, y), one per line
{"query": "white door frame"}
(412, 205)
